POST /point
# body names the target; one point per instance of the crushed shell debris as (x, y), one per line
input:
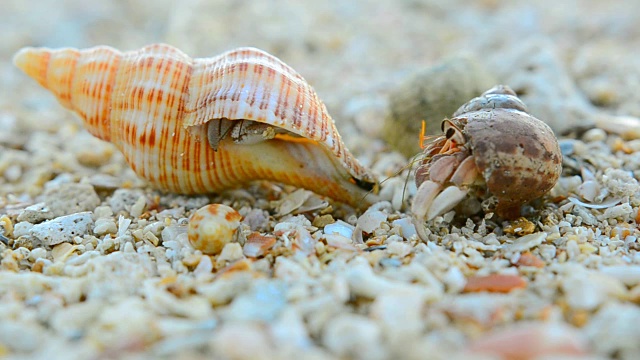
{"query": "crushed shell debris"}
(95, 263)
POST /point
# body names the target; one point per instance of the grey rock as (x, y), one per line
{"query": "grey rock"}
(71, 198)
(123, 199)
(65, 199)
(539, 77)
(432, 94)
(36, 213)
(63, 228)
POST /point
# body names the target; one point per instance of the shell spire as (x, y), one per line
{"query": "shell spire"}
(87, 95)
(144, 102)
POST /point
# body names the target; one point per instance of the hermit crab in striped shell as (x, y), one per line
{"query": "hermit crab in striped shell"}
(491, 147)
(207, 124)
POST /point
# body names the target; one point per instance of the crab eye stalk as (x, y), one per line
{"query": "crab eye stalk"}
(452, 132)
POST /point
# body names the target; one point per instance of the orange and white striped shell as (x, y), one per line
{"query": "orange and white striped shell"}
(156, 104)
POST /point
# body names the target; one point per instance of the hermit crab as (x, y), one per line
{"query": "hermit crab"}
(491, 147)
(204, 125)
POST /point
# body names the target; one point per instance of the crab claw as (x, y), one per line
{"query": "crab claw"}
(431, 200)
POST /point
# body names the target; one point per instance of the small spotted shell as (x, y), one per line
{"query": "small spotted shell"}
(212, 227)
(158, 106)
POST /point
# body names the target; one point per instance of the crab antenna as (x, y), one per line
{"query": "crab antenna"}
(422, 137)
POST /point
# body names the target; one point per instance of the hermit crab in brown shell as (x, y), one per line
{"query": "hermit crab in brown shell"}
(207, 124)
(491, 146)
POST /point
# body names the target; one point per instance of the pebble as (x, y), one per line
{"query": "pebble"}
(289, 329)
(172, 232)
(22, 228)
(245, 340)
(588, 290)
(627, 274)
(257, 245)
(589, 190)
(63, 251)
(567, 146)
(6, 226)
(105, 226)
(123, 225)
(21, 337)
(528, 259)
(124, 199)
(399, 248)
(339, 241)
(257, 219)
(364, 282)
(454, 280)
(593, 135)
(126, 321)
(354, 336)
(323, 220)
(205, 266)
(498, 283)
(231, 252)
(400, 315)
(63, 228)
(480, 307)
(13, 173)
(291, 202)
(548, 252)
(269, 294)
(526, 242)
(531, 340)
(620, 182)
(102, 212)
(72, 318)
(36, 213)
(370, 220)
(289, 270)
(407, 226)
(341, 228)
(71, 198)
(572, 248)
(619, 211)
(138, 207)
(63, 199)
(226, 288)
(175, 303)
(37, 253)
(212, 227)
(613, 330)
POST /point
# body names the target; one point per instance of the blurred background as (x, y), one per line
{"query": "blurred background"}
(563, 58)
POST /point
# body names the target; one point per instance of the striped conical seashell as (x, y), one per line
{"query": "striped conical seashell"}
(159, 107)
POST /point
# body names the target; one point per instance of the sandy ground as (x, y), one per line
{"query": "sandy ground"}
(127, 282)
